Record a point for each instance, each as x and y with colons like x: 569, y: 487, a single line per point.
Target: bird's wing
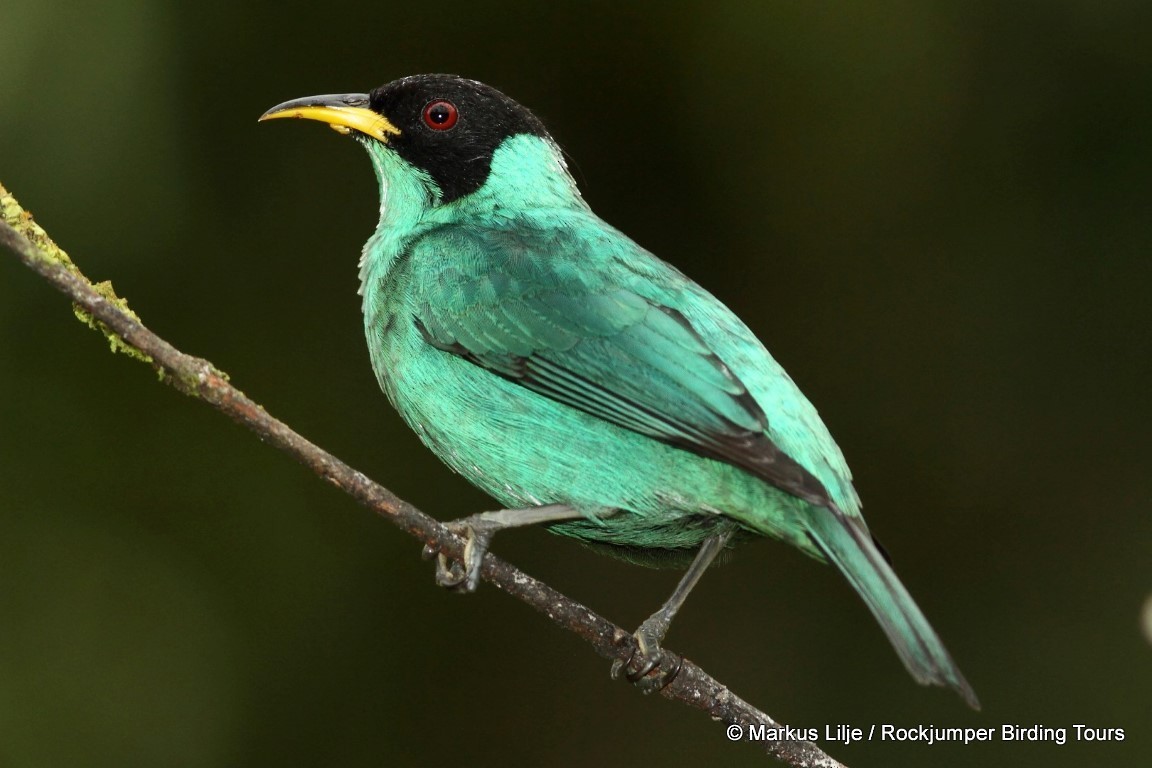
x: 520, y: 306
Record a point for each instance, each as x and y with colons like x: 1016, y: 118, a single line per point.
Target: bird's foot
x: 464, y: 576
x: 478, y: 531
x: 649, y: 657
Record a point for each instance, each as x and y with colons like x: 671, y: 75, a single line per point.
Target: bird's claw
x: 449, y: 573
x: 464, y: 576
x: 646, y: 657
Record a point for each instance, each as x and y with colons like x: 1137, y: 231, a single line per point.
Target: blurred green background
x: 936, y: 214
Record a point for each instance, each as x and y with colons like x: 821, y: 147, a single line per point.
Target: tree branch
x: 99, y: 307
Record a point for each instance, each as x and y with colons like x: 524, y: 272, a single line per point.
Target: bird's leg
x: 478, y: 531
x: 648, y: 654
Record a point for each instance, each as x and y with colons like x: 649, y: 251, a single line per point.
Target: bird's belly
x: 525, y: 449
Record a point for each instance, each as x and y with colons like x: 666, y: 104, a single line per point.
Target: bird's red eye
x: 440, y: 115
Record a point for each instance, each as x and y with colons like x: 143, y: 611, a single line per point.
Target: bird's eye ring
x: 440, y: 115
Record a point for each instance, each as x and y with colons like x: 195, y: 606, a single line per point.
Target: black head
x: 450, y: 126
x: 443, y: 124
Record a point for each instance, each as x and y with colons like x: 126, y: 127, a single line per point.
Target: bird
x: 587, y: 385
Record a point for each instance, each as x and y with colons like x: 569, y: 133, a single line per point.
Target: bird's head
x: 456, y: 136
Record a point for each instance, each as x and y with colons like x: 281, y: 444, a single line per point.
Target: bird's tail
x: 848, y: 544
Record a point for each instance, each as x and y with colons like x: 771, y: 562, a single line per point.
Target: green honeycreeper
x: 581, y: 381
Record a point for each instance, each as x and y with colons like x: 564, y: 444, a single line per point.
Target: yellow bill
x: 343, y: 112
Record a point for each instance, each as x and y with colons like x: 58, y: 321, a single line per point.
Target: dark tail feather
x: 847, y: 544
